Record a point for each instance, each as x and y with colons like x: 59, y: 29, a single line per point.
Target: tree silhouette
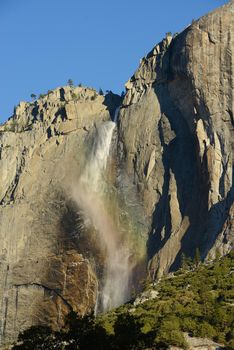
x: 70, y: 83
x: 128, y: 333
x: 33, y: 97
x: 197, y: 258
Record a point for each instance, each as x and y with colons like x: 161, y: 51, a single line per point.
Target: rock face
x: 174, y: 166
x: 176, y: 140
x: 43, y: 273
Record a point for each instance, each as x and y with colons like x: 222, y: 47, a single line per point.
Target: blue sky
x: 97, y: 43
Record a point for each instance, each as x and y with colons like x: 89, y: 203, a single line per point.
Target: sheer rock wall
x: 176, y: 140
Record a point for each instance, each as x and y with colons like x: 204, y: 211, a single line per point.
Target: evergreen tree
x: 217, y: 254
x: 183, y: 261
x: 168, y: 34
x: 186, y: 262
x: 33, y: 97
x: 128, y: 333
x: 70, y: 83
x: 197, y: 258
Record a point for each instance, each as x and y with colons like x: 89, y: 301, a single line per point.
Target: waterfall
x: 94, y: 170
x: 90, y: 197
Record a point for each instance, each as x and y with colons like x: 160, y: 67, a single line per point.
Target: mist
x: 99, y: 210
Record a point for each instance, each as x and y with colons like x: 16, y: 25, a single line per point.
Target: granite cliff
x: 171, y: 160
x: 176, y: 140
x: 42, y: 151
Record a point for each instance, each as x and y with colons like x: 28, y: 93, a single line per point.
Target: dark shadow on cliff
x: 180, y: 159
x: 73, y: 234
x: 112, y: 101
x: 175, y: 92
x: 216, y: 218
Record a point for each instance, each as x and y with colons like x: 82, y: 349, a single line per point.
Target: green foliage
x: 74, y: 96
x: 37, y: 337
x: 101, y: 92
x: 197, y: 258
x: 186, y: 262
x: 168, y: 34
x: 127, y: 330
x: 217, y: 254
x: 169, y: 333
x: 183, y: 262
x: 206, y: 330
x: 198, y: 302
x: 42, y: 95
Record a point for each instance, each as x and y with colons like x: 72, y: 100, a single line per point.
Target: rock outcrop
x: 44, y: 271
x: 176, y: 140
x: 174, y: 168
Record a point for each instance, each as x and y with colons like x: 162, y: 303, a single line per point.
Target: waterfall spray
x: 90, y: 196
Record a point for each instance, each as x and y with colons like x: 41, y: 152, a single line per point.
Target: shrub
x: 205, y: 330
x: 74, y: 96
x: 173, y: 337
x: 34, y: 338
x: 168, y: 34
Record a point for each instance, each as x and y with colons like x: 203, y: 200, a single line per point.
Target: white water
x: 93, y: 173
x: 116, y: 287
x: 90, y: 197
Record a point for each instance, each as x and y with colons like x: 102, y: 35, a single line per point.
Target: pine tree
x: 70, y: 83
x: 217, y: 254
x: 197, y: 258
x: 183, y: 262
x: 33, y: 97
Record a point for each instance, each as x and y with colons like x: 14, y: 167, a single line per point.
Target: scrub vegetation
x: 198, y: 300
